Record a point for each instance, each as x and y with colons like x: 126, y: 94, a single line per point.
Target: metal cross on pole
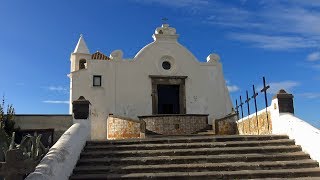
x: 237, y: 109
x: 247, y: 101
x: 264, y: 89
x: 241, y: 104
x: 164, y: 20
x: 255, y: 105
x: 248, y: 106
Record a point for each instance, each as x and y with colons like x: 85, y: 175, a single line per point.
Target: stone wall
x: 124, y: 128
x: 60, y: 123
x: 250, y: 125
x: 179, y: 124
x: 226, y: 125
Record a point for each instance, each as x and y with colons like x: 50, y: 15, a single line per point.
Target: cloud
x: 20, y: 84
x: 310, y: 95
x: 177, y: 3
x: 272, y: 24
x: 56, y: 102
x: 274, y: 42
x: 316, y: 66
x: 57, y: 88
x: 286, y: 85
x: 233, y: 88
x: 315, y: 56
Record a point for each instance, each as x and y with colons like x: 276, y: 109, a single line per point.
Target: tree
x: 7, y: 117
x: 6, y: 127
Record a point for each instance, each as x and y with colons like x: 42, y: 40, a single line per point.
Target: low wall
x: 60, y: 123
x: 124, y: 128
x: 226, y: 125
x: 62, y: 157
x: 253, y: 124
x: 175, y: 124
x: 303, y: 133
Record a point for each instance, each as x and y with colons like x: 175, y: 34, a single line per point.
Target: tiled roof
x: 98, y: 55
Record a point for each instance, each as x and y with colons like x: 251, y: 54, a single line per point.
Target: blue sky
x: 278, y: 39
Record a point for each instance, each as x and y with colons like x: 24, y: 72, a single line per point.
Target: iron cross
x: 241, y: 103
x: 237, y: 108
x: 164, y: 20
x: 264, y: 89
x: 248, y: 106
x: 255, y: 105
x: 247, y: 101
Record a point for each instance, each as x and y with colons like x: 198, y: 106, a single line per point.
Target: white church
x: 164, y: 77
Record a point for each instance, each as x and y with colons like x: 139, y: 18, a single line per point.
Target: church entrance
x: 168, y: 99
x: 168, y: 94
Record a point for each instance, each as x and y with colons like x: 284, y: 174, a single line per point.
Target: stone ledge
x: 166, y: 115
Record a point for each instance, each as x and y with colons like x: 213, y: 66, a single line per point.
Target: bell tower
x: 79, y: 58
x: 80, y: 55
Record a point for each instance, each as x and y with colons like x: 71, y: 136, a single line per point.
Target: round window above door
x: 166, y: 65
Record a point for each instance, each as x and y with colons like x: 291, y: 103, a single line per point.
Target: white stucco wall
x: 303, y: 133
x: 126, y: 86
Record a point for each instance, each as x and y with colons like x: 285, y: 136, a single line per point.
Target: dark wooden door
x: 168, y: 99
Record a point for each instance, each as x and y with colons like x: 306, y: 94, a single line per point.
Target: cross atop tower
x: 164, y: 20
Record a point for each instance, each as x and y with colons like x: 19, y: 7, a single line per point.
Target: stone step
x: 292, y: 178
x: 184, y: 139
x: 230, y: 166
x: 208, y: 132
x: 193, y: 159
x: 193, y: 151
x: 244, y: 174
x: 95, y: 147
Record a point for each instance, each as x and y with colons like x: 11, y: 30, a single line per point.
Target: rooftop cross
x: 164, y: 20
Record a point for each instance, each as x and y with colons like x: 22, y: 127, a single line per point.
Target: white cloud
x: 177, y: 3
x: 233, y: 88
x: 316, y: 66
x: 274, y: 42
x: 20, y: 84
x: 56, y: 102
x: 311, y: 95
x: 272, y: 24
x: 57, y: 88
x: 286, y: 85
x: 315, y: 56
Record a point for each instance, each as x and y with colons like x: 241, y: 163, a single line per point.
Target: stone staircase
x: 196, y: 157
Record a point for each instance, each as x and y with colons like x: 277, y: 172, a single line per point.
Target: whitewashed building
x: 163, y: 78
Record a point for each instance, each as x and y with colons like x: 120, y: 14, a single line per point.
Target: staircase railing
x: 258, y: 122
x: 62, y: 157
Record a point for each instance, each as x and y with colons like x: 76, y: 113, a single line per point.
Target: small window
x: 96, y: 80
x: 82, y: 64
x: 166, y: 65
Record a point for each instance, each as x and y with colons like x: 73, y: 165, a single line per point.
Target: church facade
x: 163, y: 78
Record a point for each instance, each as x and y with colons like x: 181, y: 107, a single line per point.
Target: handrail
x: 62, y: 157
